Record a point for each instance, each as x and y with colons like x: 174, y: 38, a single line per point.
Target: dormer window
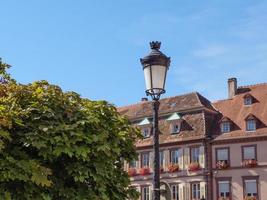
x: 145, y: 126
x: 251, y: 125
x: 248, y: 99
x: 175, y: 128
x: 146, y: 132
x: 225, y: 127
x: 175, y: 123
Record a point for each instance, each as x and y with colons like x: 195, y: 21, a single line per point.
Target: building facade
x: 215, y: 151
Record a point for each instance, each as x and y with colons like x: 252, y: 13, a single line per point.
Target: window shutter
x: 186, y: 157
x: 202, y: 189
x: 138, y: 163
x: 151, y: 158
x: 181, y: 191
x: 166, y: 158
x: 202, y: 157
x: 150, y: 192
x: 181, y: 159
x: 138, y: 189
x: 187, y: 191
x: 126, y: 166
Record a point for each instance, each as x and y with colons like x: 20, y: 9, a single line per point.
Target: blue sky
x: 93, y: 47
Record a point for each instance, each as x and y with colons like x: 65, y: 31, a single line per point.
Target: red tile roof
x: 236, y: 111
x: 191, y: 106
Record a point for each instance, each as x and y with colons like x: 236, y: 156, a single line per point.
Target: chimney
x: 144, y: 99
x: 232, y: 87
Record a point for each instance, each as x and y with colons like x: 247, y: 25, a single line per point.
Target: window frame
x: 248, y: 100
x: 228, y: 152
x: 135, y: 164
x: 172, y: 150
x: 256, y: 178
x: 247, y: 125
x: 142, y: 187
x: 190, y: 156
x: 222, y: 126
x: 198, y: 191
x: 221, y: 179
x: 175, y: 194
x: 142, y: 162
x: 243, y: 151
x: 148, y: 128
x: 172, y: 130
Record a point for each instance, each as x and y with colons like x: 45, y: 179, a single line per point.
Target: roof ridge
x: 131, y: 105
x: 252, y: 85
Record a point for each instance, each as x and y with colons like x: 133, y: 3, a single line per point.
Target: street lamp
x: 155, y: 66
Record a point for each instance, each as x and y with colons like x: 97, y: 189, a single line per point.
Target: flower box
x: 250, y: 198
x: 193, y: 166
x: 222, y: 164
x: 224, y: 198
x: 173, y: 168
x: 132, y: 172
x: 144, y: 171
x: 250, y: 163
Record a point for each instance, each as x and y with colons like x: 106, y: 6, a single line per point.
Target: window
x: 145, y: 193
x: 175, y: 128
x: 175, y: 155
x: 146, y: 132
x: 175, y: 192
x: 161, y: 158
x: 250, y: 187
x: 251, y: 125
x: 194, y: 154
x: 248, y: 100
x: 249, y: 152
x: 145, y: 160
x: 132, y: 164
x: 225, y: 127
x: 223, y: 189
x: 222, y: 154
x: 195, y: 191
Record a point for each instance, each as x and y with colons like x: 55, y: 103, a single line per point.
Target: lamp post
x: 155, y: 66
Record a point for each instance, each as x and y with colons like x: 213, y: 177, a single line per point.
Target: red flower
x: 132, y: 172
x: 250, y: 163
x: 222, y: 164
x: 193, y: 166
x: 173, y: 167
x: 144, y: 171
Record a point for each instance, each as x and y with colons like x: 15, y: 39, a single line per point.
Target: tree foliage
x: 57, y: 145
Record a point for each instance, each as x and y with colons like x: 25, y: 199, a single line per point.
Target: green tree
x: 57, y: 145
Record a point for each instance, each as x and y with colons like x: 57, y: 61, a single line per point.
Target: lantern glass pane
x: 147, y: 77
x: 158, y: 76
